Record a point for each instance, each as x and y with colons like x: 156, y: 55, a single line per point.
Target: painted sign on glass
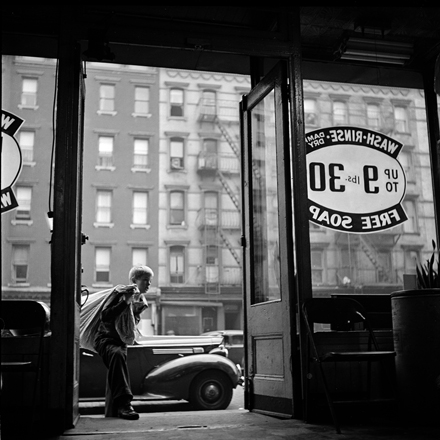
x: 11, y: 159
x: 355, y: 182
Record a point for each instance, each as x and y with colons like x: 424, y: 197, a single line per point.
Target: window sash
x: 141, y: 100
x: 102, y: 264
x: 140, y: 157
x: 103, y: 206
x: 177, y: 208
x: 339, y: 112
x: 177, y: 265
x: 20, y: 263
x: 107, y: 97
x: 105, y: 151
x: 139, y: 256
x: 24, y: 198
x: 140, y: 208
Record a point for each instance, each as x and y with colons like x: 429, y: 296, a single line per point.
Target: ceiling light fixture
x: 374, y: 50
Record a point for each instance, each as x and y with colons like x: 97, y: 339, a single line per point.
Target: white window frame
x: 177, y: 102
x: 177, y: 264
x: 23, y: 211
x: 140, y: 210
x: 107, y: 102
x: 106, y: 146
x: 103, y: 214
x: 102, y: 264
x: 141, y: 103
x: 27, y: 144
x: 20, y: 258
x: 141, y: 147
x: 29, y: 93
x: 177, y: 153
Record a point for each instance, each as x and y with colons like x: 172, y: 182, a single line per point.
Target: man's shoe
x: 127, y: 412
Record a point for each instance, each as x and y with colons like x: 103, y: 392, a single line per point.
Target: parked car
x: 234, y: 343
x: 192, y: 368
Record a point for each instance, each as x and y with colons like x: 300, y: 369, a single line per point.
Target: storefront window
x: 374, y: 260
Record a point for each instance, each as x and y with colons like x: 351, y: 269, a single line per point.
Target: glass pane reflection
x: 266, y: 269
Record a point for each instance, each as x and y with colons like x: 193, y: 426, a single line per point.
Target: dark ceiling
x: 156, y: 35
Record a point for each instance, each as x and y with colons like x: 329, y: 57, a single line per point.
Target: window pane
x: 176, y: 208
x: 102, y: 264
x: 177, y: 264
x: 266, y: 274
x: 310, y: 111
x: 105, y: 147
x: 103, y: 205
x: 141, y: 103
x: 20, y: 258
x: 140, y: 208
x: 139, y: 257
x: 140, y: 159
x: 372, y: 262
x: 339, y: 112
x: 373, y: 114
x: 26, y: 141
x: 29, y: 92
x: 107, y: 94
x: 24, y: 196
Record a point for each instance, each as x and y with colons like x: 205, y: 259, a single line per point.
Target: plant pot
x: 416, y: 334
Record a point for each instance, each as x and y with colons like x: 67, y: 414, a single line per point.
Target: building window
x: 177, y: 208
x: 29, y: 92
x: 177, y: 153
x: 209, y: 101
x: 400, y: 119
x: 24, y: 197
x: 27, y: 142
x: 317, y: 266
x: 406, y: 160
x: 340, y: 115
x: 176, y: 102
x: 141, y: 100
x: 140, y: 205
x: 139, y: 256
x: 410, y: 226
x: 102, y: 264
x: 105, y: 151
x: 177, y: 264
x: 373, y: 116
x: 20, y: 263
x: 412, y: 257
x: 104, y: 206
x: 310, y: 115
x: 107, y: 98
x: 140, y: 157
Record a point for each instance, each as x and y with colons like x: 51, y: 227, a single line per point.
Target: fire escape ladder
x: 230, y: 247
x: 228, y: 189
x: 371, y: 253
x: 228, y: 137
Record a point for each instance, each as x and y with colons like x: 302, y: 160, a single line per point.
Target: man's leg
x: 118, y: 393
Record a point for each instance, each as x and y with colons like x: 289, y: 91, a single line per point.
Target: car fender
x: 173, y: 379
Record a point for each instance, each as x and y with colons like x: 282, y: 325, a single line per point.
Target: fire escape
x: 218, y: 227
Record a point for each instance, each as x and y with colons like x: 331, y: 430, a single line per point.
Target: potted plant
x: 416, y: 335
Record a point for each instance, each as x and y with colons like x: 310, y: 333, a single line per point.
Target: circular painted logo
x: 355, y: 182
x: 11, y: 159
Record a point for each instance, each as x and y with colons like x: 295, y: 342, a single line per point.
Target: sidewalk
x: 231, y: 425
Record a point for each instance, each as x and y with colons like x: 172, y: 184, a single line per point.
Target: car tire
x: 211, y: 390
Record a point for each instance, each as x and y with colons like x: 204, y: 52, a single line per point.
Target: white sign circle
x: 11, y: 161
x: 355, y: 179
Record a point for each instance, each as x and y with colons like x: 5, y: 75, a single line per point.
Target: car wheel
x: 211, y: 390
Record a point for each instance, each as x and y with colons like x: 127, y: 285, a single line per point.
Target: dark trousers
x: 118, y: 390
